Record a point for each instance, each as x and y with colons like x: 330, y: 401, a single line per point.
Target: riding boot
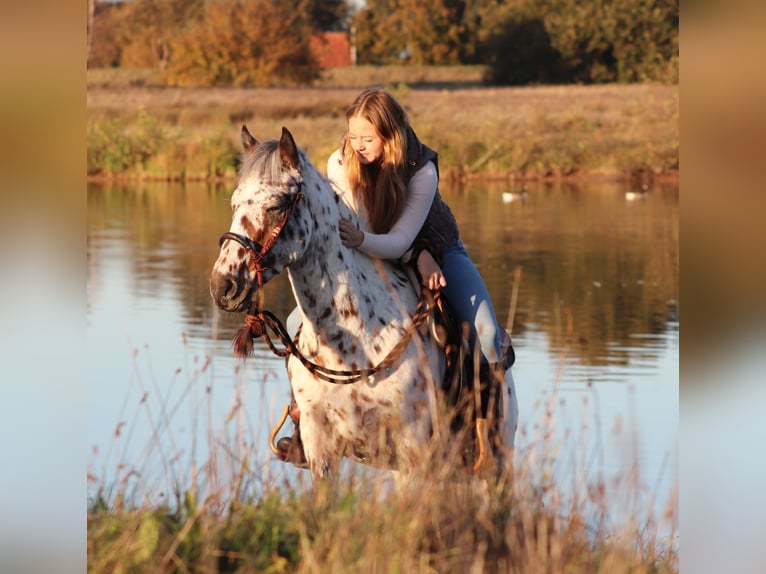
x: 509, y: 355
x: 291, y: 449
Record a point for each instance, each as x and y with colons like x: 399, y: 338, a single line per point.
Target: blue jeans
x: 469, y: 298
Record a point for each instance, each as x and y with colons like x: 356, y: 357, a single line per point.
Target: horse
x: 365, y: 374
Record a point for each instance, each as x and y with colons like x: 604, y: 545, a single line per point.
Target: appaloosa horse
x: 364, y: 378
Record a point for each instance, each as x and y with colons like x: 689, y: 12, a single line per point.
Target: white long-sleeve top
x: 395, y: 244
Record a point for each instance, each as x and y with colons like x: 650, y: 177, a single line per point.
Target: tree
x: 244, y: 43
x: 108, y: 34
x: 564, y: 41
x: 329, y: 15
x: 411, y: 31
x: 91, y: 19
x: 138, y: 33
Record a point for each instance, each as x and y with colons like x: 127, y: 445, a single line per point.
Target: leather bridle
x: 258, y: 251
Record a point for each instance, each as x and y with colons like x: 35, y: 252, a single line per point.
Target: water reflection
x: 596, y: 269
x: 595, y: 323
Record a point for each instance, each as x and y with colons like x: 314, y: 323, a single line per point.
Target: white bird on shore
x: 509, y: 196
x: 639, y: 194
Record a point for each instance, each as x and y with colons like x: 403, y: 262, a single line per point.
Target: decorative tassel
x: 252, y: 329
x: 243, y: 340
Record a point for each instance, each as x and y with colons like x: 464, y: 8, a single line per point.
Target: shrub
x: 114, y: 145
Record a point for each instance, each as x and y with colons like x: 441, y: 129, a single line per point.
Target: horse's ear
x: 248, y: 140
x: 287, y: 149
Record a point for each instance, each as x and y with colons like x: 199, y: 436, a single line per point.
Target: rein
x: 259, y: 323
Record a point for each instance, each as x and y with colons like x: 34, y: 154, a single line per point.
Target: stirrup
x: 288, y: 449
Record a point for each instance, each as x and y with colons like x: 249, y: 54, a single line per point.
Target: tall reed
x: 225, y: 505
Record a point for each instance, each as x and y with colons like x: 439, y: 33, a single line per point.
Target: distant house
x: 332, y: 49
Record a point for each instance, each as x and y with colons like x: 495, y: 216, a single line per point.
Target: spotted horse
x: 366, y: 374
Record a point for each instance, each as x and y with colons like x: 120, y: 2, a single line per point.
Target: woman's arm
x: 394, y: 244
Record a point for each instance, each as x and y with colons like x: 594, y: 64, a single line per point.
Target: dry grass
x: 506, y: 133
x: 439, y: 523
x: 233, y: 512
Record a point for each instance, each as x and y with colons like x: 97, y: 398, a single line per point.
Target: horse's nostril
x: 222, y: 288
x: 232, y: 290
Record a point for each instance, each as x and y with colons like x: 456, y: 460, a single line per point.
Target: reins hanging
x: 263, y: 322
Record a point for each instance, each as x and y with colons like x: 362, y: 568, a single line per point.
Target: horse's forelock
x: 262, y: 161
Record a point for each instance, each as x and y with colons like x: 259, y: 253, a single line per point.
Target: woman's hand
x: 350, y: 236
x: 430, y: 272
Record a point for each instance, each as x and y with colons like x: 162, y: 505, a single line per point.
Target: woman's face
x: 364, y: 140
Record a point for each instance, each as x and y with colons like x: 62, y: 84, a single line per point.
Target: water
x: 595, y: 327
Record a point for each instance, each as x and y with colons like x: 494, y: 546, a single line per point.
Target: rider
x: 391, y: 179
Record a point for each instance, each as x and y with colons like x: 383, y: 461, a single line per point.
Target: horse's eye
x: 279, y: 204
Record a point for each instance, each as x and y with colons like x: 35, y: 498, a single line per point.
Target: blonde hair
x: 381, y: 186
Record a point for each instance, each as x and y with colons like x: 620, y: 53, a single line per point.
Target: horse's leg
x: 497, y: 420
x: 321, y: 447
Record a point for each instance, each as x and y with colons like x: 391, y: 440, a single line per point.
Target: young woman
x: 391, y: 179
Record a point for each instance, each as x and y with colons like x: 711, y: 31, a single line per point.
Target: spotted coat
x: 354, y: 310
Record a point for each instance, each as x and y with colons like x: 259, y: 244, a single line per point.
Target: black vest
x: 439, y: 231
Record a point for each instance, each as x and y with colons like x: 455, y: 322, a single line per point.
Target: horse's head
x: 269, y: 229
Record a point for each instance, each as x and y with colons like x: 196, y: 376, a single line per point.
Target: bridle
x: 258, y: 251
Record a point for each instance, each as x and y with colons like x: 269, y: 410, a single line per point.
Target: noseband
x: 258, y: 251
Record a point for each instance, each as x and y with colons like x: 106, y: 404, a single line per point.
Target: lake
x: 595, y: 328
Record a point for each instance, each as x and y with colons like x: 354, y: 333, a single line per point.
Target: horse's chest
x: 358, y: 410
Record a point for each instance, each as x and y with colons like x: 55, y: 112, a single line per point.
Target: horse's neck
x: 326, y: 282
x: 344, y: 302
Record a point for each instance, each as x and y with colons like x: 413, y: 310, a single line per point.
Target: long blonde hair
x: 381, y: 186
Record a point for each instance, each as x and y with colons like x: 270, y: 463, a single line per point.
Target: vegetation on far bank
x: 259, y: 43
x: 140, y: 129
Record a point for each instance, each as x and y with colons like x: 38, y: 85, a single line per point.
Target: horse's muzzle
x: 228, y: 293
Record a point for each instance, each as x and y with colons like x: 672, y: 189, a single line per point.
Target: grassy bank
x: 140, y: 129
x: 235, y: 510
x: 249, y: 523
x: 357, y: 529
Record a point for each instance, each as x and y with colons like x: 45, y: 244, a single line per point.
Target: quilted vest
x: 440, y: 230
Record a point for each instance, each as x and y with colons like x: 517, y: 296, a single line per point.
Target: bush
x: 114, y: 145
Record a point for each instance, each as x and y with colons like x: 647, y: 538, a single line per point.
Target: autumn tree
x: 411, y: 31
x: 564, y: 41
x: 108, y: 35
x: 151, y: 25
x: 329, y: 15
x: 244, y: 43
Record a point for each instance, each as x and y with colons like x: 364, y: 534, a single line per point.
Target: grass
x: 235, y: 512
x: 608, y: 131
